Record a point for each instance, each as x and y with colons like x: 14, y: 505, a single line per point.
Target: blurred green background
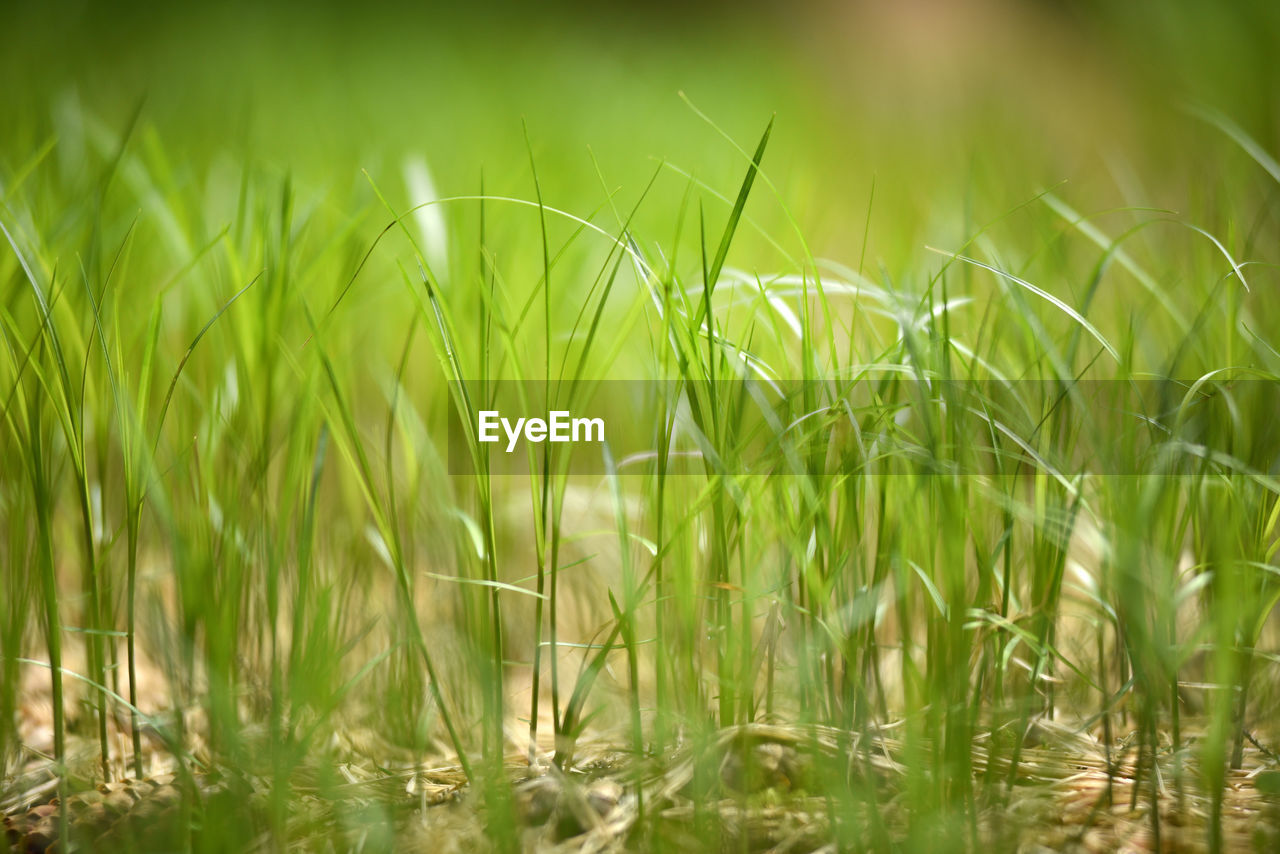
x: 953, y: 109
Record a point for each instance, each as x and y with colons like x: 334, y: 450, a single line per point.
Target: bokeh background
x: 953, y: 110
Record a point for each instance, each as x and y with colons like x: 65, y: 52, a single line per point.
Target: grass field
x: 937, y: 352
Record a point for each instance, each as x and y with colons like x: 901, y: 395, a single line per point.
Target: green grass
x: 927, y: 472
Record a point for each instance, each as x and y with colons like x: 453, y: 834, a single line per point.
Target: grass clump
x: 970, y: 548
